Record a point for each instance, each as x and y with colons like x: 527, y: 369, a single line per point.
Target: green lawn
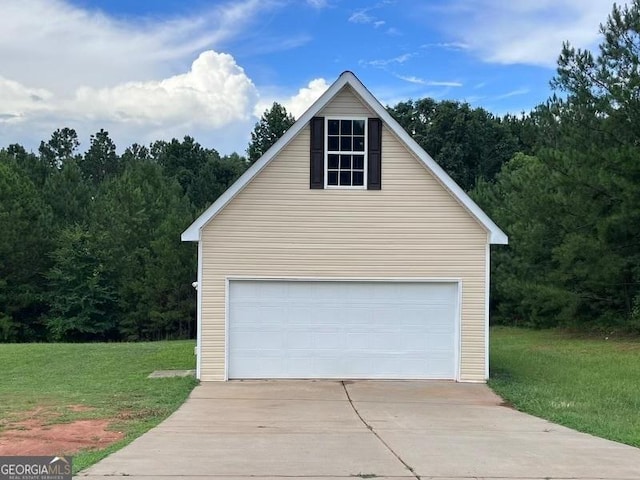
x: 109, y: 379
x: 591, y: 385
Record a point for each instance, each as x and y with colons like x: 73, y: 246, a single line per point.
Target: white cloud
x: 63, y: 65
x: 430, y: 83
x: 412, y: 79
x: 471, y: 99
x: 318, y: 3
x: 513, y: 93
x: 435, y: 83
x: 383, y: 62
x: 361, y: 16
x: 364, y: 16
x: 17, y: 101
x: 213, y: 93
x: 298, y: 103
x: 305, y: 97
x: 524, y: 31
x: 447, y: 45
x: 53, y: 43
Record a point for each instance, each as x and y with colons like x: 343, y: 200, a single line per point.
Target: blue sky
x: 147, y: 70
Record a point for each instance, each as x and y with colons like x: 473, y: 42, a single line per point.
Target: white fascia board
x: 496, y: 236
x: 192, y: 234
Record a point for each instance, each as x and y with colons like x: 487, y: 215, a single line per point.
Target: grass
x: 108, y: 378
x: 591, y: 385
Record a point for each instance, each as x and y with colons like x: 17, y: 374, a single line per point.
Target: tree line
x: 90, y: 242
x: 571, y: 203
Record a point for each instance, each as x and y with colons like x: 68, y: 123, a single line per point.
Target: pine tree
x: 272, y: 125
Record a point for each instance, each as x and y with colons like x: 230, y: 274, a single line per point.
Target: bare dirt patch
x: 38, y: 434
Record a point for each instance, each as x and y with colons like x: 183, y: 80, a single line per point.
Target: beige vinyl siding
x: 346, y: 103
x: 278, y: 227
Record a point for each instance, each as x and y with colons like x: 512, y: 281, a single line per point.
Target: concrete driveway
x: 332, y: 429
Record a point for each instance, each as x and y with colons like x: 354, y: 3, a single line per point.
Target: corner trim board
x: 199, y: 314
x: 487, y: 289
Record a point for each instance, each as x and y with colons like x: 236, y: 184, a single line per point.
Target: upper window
x: 346, y: 152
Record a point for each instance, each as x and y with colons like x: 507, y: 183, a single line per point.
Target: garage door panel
x: 304, y: 329
x: 438, y: 342
x: 440, y: 330
x: 260, y: 314
x: 262, y: 340
x: 299, y: 340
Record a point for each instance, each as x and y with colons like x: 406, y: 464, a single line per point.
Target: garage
x: 342, y: 329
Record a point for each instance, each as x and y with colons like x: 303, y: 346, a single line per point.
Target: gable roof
x: 497, y: 236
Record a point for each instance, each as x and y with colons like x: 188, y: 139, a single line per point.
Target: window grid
x: 346, y: 151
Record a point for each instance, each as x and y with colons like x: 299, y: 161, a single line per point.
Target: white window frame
x: 326, y: 153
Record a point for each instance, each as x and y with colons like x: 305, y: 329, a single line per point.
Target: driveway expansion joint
x: 371, y: 429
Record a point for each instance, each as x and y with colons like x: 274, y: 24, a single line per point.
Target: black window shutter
x: 316, y: 178
x: 374, y: 150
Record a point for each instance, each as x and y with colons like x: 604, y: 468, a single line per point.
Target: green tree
x: 523, y: 199
x: 61, y: 147
x: 29, y: 163
x: 274, y: 122
x: 597, y: 126
x: 201, y: 173
x: 214, y: 177
x: 101, y: 160
x: 583, y: 203
x: 135, y: 153
x: 184, y: 161
x: 140, y: 216
x: 90, y: 243
x: 69, y: 195
x: 25, y: 230
x: 468, y: 143
x: 82, y: 294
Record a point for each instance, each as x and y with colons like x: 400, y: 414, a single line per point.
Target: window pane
x: 343, y: 168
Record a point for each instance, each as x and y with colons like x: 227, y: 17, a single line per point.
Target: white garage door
x: 330, y: 329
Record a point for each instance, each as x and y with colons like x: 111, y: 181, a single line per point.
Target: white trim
x: 199, y: 315
x: 496, y: 236
x: 346, y: 279
x: 226, y: 329
x: 458, y: 314
x: 487, y: 287
x: 352, y: 153
x: 458, y: 327
x: 191, y: 233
